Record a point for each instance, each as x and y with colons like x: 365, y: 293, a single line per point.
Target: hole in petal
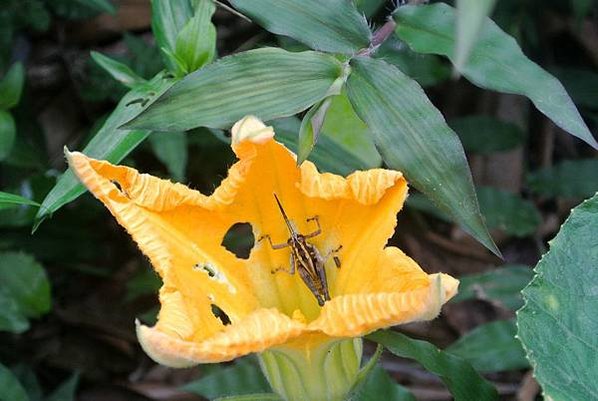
x: 220, y: 314
x: 119, y: 187
x: 239, y: 240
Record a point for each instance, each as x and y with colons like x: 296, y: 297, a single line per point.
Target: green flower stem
x: 325, y: 373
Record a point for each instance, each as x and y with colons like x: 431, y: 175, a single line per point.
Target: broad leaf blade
x: 501, y: 287
x: 11, y: 86
x: 119, y: 71
x: 568, y: 179
x: 244, y: 377
x: 8, y: 133
x: 491, y: 347
x: 311, y: 126
x: 413, y: 137
x: 269, y: 83
x: 558, y: 324
x: 332, y: 26
x: 471, y: 15
x: 380, y: 386
x: 496, y: 62
x: 10, y: 388
x: 464, y: 383
x: 110, y: 143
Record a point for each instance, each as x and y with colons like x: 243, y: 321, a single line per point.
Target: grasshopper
x: 305, y: 257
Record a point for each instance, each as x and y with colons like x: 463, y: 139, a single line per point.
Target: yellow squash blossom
x: 307, y: 351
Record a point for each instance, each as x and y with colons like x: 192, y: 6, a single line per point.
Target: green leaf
x: 347, y: 130
x: 369, y: 7
x: 11, y: 86
x: 485, y: 134
x: 508, y: 212
x: 491, y: 347
x: 119, y: 71
x: 413, y: 137
x: 558, y: 324
x: 243, y: 377
x: 426, y: 69
x: 24, y: 290
x: 66, y: 391
x: 168, y: 19
x: 171, y: 149
x: 269, y: 83
x: 568, y: 179
x: 464, y: 383
x: 496, y: 62
x: 196, y: 43
x: 8, y: 133
x: 110, y: 143
x: 9, y: 200
x: 252, y: 397
x: 471, y: 15
x: 331, y: 26
x: 311, y: 125
x: 10, y: 388
x: 581, y: 8
x: 500, y: 286
x: 380, y: 386
x: 328, y: 155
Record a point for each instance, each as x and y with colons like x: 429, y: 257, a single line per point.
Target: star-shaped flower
x: 181, y: 231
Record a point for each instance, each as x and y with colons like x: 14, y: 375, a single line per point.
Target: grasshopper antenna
x: 284, y: 216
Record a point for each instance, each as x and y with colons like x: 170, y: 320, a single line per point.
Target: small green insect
x: 306, y: 258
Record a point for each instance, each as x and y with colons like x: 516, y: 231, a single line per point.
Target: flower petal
x: 359, y: 314
x: 258, y: 331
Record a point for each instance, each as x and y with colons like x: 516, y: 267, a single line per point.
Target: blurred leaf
x: 380, y: 386
x: 332, y: 26
x: 485, y: 134
x: 496, y: 62
x: 269, y: 83
x: 8, y: 200
x: 145, y: 57
x: 471, y: 15
x: 99, y: 5
x: 491, y: 347
x: 568, y: 179
x: 11, y: 86
x: 10, y: 388
x: 346, y: 129
x: 419, y: 202
x: 196, y: 43
x: 252, y: 397
x: 581, y: 8
x: 426, y: 69
x: 119, y: 71
x: 7, y: 134
x: 464, y: 383
x: 558, y: 324
x: 413, y: 137
x: 23, y: 281
x: 500, y: 286
x: 311, y: 125
x: 29, y: 191
x: 581, y: 84
x: 28, y: 380
x: 171, y: 149
x: 80, y: 9
x: 168, y: 19
x: 110, y: 143
x: 327, y: 155
x: 66, y: 391
x: 243, y: 377
x: 508, y: 212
